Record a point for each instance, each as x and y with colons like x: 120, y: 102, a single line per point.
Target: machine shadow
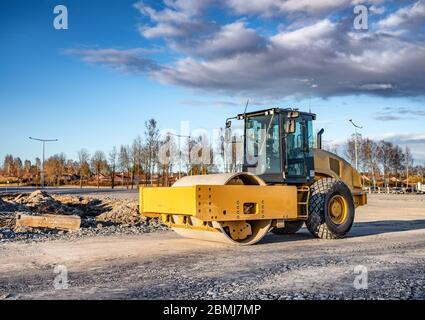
x: 360, y: 229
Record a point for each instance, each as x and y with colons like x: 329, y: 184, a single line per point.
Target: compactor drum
x: 294, y: 184
x: 234, y: 232
x: 236, y: 208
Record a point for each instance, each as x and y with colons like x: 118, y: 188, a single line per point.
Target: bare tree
x: 369, y: 152
x: 145, y: 163
x: 83, y: 165
x: 27, y: 166
x: 152, y: 146
x: 113, y: 155
x: 409, y: 163
x: 221, y: 148
x: 202, y: 161
x: 38, y: 169
x: 99, y: 165
x: 137, y: 159
x: 55, y: 168
x: 397, y: 160
x: 18, y: 165
x: 385, y: 153
x: 8, y: 165
x: 350, y: 149
x: 166, y: 158
x: 124, y: 162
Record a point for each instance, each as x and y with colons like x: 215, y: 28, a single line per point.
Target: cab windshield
x: 265, y: 145
x: 262, y: 143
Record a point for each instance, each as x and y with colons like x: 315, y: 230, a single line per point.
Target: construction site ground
x: 386, y: 244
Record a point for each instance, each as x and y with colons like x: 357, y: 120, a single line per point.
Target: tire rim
x: 338, y: 209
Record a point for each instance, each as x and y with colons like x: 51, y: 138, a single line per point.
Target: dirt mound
x: 33, y: 198
x: 11, y: 207
x: 122, y: 212
x: 101, y: 215
x: 3, y: 205
x: 40, y: 202
x: 7, y: 220
x: 8, y: 211
x: 86, y: 206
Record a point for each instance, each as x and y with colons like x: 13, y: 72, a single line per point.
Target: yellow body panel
x: 327, y: 164
x: 222, y: 202
x: 154, y: 200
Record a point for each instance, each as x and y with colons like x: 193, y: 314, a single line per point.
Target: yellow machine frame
x: 222, y: 202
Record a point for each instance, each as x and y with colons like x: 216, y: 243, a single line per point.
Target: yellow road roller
x: 285, y: 182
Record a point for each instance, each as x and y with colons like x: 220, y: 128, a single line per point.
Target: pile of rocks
x: 122, y: 212
x: 40, y: 202
x: 103, y: 216
x: 12, y: 206
x: 8, y: 211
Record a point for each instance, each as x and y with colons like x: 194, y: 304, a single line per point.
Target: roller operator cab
x: 285, y: 183
x: 278, y: 145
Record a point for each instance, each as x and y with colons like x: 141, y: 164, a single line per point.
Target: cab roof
x: 272, y: 111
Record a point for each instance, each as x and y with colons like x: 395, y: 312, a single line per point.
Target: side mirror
x: 290, y: 126
x: 293, y: 114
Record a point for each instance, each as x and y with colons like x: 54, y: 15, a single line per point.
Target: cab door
x: 299, y: 162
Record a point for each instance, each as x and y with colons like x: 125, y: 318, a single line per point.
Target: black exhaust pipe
x: 319, y: 139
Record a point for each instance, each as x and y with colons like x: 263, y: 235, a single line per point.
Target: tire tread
x: 316, y: 222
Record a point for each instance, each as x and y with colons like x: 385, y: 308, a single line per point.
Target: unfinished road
x: 387, y: 241
x: 118, y: 192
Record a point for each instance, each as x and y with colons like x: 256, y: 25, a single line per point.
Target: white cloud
x: 129, y: 61
x: 399, y: 113
x: 307, y: 36
x: 319, y: 60
x: 273, y: 7
x: 178, y: 19
x: 376, y: 86
x: 405, y: 17
x: 377, y: 9
x: 230, y: 39
x: 405, y: 138
x: 279, y: 7
x: 322, y: 56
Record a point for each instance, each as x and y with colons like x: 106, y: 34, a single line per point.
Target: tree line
x: 128, y: 165
x: 383, y: 162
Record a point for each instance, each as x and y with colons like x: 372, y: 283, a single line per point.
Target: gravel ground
x: 388, y: 239
x: 97, y: 230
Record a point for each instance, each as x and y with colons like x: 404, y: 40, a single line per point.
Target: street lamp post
x: 356, y: 142
x: 407, y: 168
x: 44, y: 150
x: 180, y: 152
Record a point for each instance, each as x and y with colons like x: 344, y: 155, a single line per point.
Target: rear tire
x: 331, y: 209
x: 291, y: 227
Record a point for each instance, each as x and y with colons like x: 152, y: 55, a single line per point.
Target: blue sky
x: 93, y: 86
